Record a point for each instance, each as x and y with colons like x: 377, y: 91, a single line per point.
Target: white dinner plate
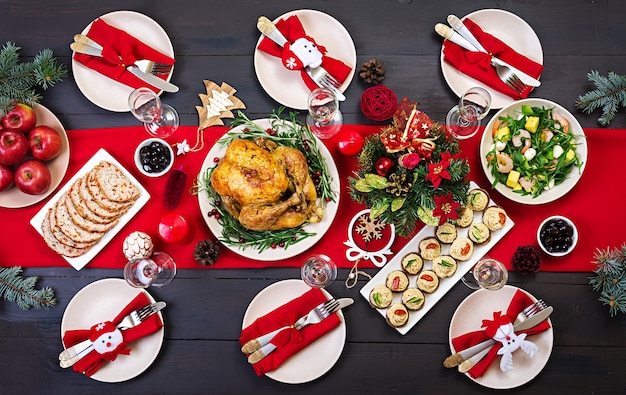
x: 13, y: 197
x: 468, y: 317
x: 80, y: 261
x: 320, y: 228
x: 287, y: 87
x: 101, y: 301
x: 559, y: 190
x: 445, y: 284
x: 105, y: 92
x: 316, y: 359
x: 510, y: 29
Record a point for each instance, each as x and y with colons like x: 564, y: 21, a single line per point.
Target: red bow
x: 519, y: 302
x: 292, y: 29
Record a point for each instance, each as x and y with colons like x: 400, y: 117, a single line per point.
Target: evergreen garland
x: 18, y: 80
x: 610, y: 278
x: 609, y: 95
x: 21, y: 290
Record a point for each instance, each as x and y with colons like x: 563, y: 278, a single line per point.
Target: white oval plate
x: 13, y: 197
x: 101, y: 301
x: 468, y: 317
x: 559, y: 190
x: 287, y: 87
x: 105, y: 92
x: 509, y: 28
x: 269, y: 254
x: 311, y: 362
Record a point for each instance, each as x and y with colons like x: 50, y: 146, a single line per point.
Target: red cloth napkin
x: 292, y: 29
x: 289, y: 341
x: 477, y: 64
x: 90, y: 363
x: 519, y: 302
x: 120, y: 50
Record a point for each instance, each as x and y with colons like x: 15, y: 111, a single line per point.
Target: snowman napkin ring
x: 501, y: 330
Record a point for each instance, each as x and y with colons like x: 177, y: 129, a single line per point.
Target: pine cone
x: 372, y: 71
x: 206, y: 252
x: 526, y: 259
x: 398, y: 185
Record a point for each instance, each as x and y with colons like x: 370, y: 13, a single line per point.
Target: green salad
x: 533, y: 152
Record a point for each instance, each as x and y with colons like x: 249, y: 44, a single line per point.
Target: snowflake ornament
x: 369, y: 229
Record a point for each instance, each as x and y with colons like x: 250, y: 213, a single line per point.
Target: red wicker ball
x: 379, y: 103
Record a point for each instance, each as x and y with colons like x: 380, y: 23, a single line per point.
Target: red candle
x: 173, y: 228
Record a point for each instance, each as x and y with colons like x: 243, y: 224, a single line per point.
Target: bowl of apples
x: 34, y: 155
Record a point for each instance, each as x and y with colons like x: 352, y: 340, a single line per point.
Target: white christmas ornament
x: 137, y: 245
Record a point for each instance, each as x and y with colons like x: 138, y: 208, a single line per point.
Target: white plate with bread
x: 79, y: 239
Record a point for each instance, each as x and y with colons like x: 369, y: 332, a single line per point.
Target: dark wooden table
x: 215, y: 40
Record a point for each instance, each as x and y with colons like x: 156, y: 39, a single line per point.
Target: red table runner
x: 595, y: 205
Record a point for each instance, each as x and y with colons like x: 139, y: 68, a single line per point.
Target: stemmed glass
x: 159, y: 119
x: 157, y: 270
x: 324, y: 118
x: 318, y: 271
x: 488, y: 274
x: 463, y: 119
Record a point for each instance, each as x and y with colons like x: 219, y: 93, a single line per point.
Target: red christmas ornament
x: 349, y: 142
x: 379, y: 103
x: 173, y: 228
x: 384, y: 166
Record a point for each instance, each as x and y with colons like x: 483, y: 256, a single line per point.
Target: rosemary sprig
x: 288, y: 132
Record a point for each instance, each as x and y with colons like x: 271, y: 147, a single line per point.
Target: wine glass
x: 318, y: 271
x: 324, y: 118
x: 157, y: 270
x: 159, y: 119
x: 488, y: 274
x: 463, y: 119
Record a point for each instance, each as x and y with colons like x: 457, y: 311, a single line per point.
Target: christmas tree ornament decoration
x: 349, y: 142
x: 173, y: 227
x: 137, y: 245
x: 218, y: 102
x: 378, y: 103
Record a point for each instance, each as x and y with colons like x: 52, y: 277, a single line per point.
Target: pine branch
x: 18, y: 81
x: 21, y: 290
x: 610, y: 278
x: 609, y: 95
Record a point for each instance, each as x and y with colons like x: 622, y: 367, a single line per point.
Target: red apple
x: 21, y: 117
x: 44, y: 143
x: 6, y: 177
x: 13, y: 146
x: 32, y: 177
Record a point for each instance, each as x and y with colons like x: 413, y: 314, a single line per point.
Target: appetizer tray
x: 445, y: 284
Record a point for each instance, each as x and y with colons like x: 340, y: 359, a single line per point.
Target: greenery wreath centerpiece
x: 412, y: 170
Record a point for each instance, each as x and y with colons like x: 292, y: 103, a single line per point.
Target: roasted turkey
x: 266, y: 186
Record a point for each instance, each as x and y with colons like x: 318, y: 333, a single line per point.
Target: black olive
x: 155, y: 157
x: 556, y: 235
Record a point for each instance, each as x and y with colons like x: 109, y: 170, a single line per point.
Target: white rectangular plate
x: 81, y: 261
x: 445, y: 284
